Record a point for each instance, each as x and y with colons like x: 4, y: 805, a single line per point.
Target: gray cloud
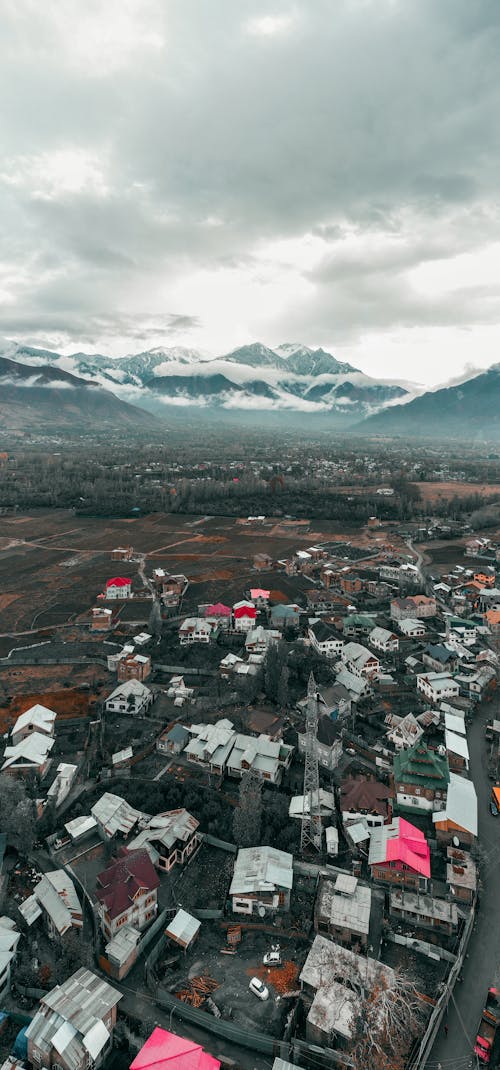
x: 173, y: 140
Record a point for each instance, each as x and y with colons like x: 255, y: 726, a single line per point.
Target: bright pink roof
x: 218, y: 610
x: 409, y: 846
x: 259, y: 592
x: 167, y: 1051
x: 118, y: 581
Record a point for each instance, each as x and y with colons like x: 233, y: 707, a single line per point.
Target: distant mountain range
x: 44, y: 398
x: 468, y: 410
x: 290, y: 378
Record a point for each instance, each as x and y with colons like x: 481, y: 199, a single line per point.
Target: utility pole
x: 311, y: 830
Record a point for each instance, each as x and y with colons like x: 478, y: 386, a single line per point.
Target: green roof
x: 419, y: 765
x: 361, y: 619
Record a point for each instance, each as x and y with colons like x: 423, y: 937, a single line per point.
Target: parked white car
x: 272, y: 958
x: 258, y: 988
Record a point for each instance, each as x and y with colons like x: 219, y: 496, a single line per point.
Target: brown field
x: 432, y: 492
x: 67, y: 702
x: 53, y: 564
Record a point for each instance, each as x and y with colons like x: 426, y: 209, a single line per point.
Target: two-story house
x: 328, y: 742
x: 244, y: 616
x: 325, y: 639
x: 127, y: 892
x: 421, y: 778
x: 360, y: 661
x: 118, y: 587
x: 262, y: 881
x: 384, y: 640
x: 73, y: 1027
x: 170, y: 838
x: 37, y: 719
x: 399, y: 854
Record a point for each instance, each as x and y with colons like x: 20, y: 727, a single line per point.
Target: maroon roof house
x: 127, y: 892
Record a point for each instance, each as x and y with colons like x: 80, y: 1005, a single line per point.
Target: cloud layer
x: 212, y: 174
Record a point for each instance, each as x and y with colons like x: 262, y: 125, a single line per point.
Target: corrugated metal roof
x: 183, y: 928
x: 261, y: 869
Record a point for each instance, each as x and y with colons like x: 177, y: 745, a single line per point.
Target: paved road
x: 455, y: 1050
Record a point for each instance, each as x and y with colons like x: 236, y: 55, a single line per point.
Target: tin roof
x: 183, y: 928
x: 261, y: 869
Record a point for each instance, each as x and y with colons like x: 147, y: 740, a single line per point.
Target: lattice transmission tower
x: 310, y: 835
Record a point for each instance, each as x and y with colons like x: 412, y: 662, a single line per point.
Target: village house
x: 262, y: 562
x: 173, y: 740
x: 244, y: 616
x: 326, y: 986
x: 325, y: 639
x: 196, y: 630
x: 423, y: 911
x: 266, y: 757
x: 285, y: 615
x: 211, y: 744
x: 458, y: 817
x: 439, y: 657
x: 333, y: 700
x: 73, y: 1027
x: 328, y: 742
x: 342, y: 910
x: 357, y: 624
x: 132, y: 697
x: 127, y: 892
x: 403, y: 731
x: 164, y: 1050
x: 258, y: 639
x: 122, y: 553
x: 9, y: 939
x: 37, y: 719
x: 366, y: 799
x: 411, y: 629
x: 461, y: 875
x: 134, y: 667
x: 218, y: 614
x: 421, y: 778
x: 260, y: 597
x: 360, y: 661
x: 30, y: 755
x: 437, y: 687
x: 262, y: 881
x: 118, y: 587
x: 415, y: 607
x: 350, y: 583
x: 121, y: 952
x: 170, y: 838
x: 114, y: 816
x: 399, y: 854
x: 356, y: 686
x: 382, y: 639
x: 58, y: 901
x: 101, y: 619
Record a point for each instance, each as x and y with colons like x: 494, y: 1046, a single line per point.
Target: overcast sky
x: 214, y: 172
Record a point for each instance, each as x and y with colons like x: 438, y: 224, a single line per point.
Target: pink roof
x: 218, y: 610
x: 118, y: 581
x: 167, y: 1051
x: 259, y: 592
x: 409, y: 846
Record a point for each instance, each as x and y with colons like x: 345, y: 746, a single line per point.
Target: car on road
x: 258, y: 988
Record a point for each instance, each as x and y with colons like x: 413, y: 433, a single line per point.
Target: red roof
x: 119, y: 883
x: 167, y: 1051
x: 218, y: 610
x: 403, y: 843
x: 244, y: 609
x: 118, y: 581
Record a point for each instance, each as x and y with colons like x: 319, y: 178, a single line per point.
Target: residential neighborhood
x: 254, y: 793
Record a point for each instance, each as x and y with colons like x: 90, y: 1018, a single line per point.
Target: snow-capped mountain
x: 291, y: 377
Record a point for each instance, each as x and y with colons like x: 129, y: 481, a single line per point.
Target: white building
x: 324, y: 639
x: 384, y: 640
x: 37, y: 719
x: 412, y: 629
x: 360, y: 661
x: 132, y: 697
x: 30, y: 755
x: 195, y: 630
x: 211, y: 744
x: 266, y: 757
x: 436, y: 686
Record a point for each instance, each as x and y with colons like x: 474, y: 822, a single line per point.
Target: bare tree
x: 247, y: 818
